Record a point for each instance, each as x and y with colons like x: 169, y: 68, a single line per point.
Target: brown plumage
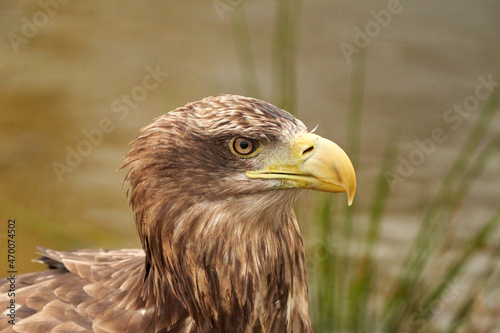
x: 222, y: 249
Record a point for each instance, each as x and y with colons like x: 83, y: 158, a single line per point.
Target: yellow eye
x: 244, y: 147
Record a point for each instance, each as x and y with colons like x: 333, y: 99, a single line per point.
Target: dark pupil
x: 244, y: 144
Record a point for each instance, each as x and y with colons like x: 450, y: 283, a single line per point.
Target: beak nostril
x: 308, y: 150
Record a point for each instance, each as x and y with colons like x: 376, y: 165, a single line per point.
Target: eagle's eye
x: 244, y: 147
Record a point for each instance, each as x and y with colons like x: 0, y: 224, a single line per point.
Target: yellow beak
x: 314, y: 163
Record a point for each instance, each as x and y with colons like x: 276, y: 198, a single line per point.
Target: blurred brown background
x: 65, y: 66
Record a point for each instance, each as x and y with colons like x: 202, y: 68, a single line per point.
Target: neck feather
x: 234, y: 268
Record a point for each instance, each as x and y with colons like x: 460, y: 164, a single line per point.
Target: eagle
x: 212, y: 186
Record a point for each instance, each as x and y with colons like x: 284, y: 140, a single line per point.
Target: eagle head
x: 226, y: 146
x: 212, y: 185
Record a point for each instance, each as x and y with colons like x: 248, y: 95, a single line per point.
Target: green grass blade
x: 465, y: 311
x: 356, y: 104
x: 434, y: 221
x: 472, y: 247
x: 244, y: 52
x: 474, y: 139
x: 285, y: 40
x: 380, y: 195
x: 362, y: 287
x: 343, y: 264
x: 462, y: 314
x: 475, y: 170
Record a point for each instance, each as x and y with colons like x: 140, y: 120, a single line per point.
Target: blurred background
x: 408, y: 88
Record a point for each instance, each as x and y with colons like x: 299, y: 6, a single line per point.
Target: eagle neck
x: 232, y: 267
